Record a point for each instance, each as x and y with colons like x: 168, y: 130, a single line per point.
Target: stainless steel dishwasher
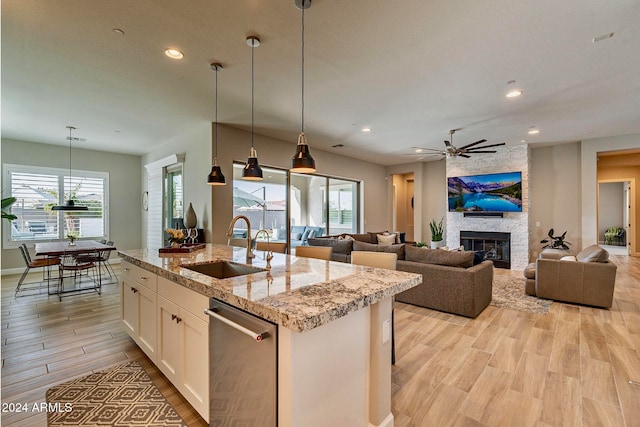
x: 243, y: 367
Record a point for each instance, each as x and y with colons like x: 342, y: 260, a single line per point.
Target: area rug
x: 121, y: 396
x: 508, y: 292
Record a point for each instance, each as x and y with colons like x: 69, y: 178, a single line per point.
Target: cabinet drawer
x: 191, y: 301
x: 140, y: 275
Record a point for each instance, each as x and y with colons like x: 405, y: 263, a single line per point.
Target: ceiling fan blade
x: 473, y: 143
x: 464, y: 155
x: 447, y: 143
x: 487, y: 146
x: 426, y: 149
x: 476, y: 152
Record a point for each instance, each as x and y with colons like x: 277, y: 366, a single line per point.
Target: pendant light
x: 215, y: 176
x: 252, y: 170
x: 70, y: 204
x: 302, y: 162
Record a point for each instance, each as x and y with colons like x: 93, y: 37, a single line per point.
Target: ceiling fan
x: 452, y: 151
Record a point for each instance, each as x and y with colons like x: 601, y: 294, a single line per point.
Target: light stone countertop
x: 298, y: 293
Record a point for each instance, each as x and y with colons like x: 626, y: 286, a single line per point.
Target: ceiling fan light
x: 302, y: 162
x: 252, y: 170
x: 514, y: 93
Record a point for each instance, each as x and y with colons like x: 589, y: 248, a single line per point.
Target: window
x: 174, y: 205
x: 38, y: 189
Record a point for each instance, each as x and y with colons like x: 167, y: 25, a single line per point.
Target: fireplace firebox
x: 496, y: 246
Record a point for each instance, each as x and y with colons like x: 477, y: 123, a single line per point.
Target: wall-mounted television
x: 495, y: 192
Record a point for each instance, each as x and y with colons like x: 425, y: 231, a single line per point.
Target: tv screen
x: 496, y: 192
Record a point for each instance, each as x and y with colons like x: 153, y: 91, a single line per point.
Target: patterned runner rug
x: 508, y: 292
x: 121, y: 396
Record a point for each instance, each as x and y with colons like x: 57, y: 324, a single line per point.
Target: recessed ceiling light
x: 523, y: 140
x: 174, y: 53
x: 366, y: 129
x: 514, y: 93
x: 118, y: 31
x: 533, y: 131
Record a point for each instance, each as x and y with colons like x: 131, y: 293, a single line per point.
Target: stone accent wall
x: 510, y: 158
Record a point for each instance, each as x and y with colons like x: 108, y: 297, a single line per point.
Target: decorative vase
x: 175, y: 245
x: 190, y: 219
x: 72, y: 242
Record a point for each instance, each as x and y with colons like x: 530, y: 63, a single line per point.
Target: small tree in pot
x: 437, y: 230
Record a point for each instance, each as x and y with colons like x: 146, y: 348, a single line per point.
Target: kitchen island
x: 333, y: 327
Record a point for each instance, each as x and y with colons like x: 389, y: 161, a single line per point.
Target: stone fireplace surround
x: 509, y: 158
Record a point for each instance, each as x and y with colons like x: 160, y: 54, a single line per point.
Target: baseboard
x: 12, y: 271
x: 387, y: 422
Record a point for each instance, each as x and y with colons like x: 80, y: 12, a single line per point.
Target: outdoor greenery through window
x: 38, y: 190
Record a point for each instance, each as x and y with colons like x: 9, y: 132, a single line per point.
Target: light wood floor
x: 573, y: 366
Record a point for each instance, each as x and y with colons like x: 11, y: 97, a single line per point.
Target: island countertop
x: 297, y: 293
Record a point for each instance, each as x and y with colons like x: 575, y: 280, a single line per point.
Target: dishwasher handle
x: 258, y: 337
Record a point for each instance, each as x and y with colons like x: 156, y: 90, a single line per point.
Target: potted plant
x: 555, y: 242
x: 72, y: 236
x: 6, y: 204
x: 176, y: 237
x: 437, y: 230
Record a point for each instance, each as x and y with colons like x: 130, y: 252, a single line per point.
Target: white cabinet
x: 183, y: 342
x: 138, y: 295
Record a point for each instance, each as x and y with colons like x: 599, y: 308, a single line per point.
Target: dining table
x: 77, y: 249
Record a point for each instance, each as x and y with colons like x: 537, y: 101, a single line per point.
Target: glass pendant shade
x: 302, y: 162
x: 252, y: 170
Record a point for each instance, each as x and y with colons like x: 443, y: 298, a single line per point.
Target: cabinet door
x: 129, y: 298
x: 169, y: 356
x: 195, y: 366
x: 147, y: 335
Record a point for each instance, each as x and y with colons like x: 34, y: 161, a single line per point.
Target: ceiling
x: 409, y: 70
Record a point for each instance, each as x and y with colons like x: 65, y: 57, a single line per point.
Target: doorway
x: 403, y: 205
x: 614, y: 205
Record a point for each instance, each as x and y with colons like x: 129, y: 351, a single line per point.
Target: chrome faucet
x: 269, y: 253
x: 235, y: 219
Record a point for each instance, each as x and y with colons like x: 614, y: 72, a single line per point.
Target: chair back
x: 25, y: 254
x: 319, y: 252
x: 375, y: 259
x: 279, y: 247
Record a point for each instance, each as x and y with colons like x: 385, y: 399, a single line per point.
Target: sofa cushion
x: 363, y: 237
x: 363, y: 246
x: 463, y: 259
x: 593, y: 253
x: 386, y: 239
x: 342, y: 246
x: 530, y: 271
x: 298, y: 229
x: 295, y: 236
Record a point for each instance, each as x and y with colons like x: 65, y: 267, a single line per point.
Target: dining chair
x: 44, y: 263
x: 319, y: 252
x: 279, y: 247
x: 76, y: 266
x: 101, y: 258
x: 379, y: 260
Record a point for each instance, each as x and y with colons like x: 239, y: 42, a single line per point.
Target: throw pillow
x: 568, y: 258
x: 593, y: 253
x: 478, y: 257
x: 312, y: 233
x: 305, y: 234
x: 296, y: 236
x: 386, y: 240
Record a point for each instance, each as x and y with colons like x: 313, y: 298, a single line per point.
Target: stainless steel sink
x: 223, y: 269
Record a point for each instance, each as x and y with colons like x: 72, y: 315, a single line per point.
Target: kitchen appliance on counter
x: 243, y: 368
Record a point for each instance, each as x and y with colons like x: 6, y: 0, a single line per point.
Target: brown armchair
x: 588, y: 278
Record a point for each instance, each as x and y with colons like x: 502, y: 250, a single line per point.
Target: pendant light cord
x: 70, y: 128
x: 302, y: 79
x: 216, y: 157
x: 252, y: 96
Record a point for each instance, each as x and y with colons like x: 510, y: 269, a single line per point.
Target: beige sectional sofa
x: 588, y: 278
x: 450, y: 280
